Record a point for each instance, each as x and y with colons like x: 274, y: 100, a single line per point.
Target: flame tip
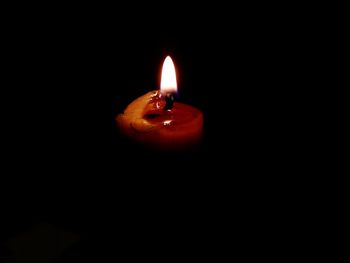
x: 168, y: 58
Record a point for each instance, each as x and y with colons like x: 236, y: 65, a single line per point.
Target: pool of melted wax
x: 179, y: 114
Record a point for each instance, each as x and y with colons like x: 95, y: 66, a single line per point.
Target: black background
x: 74, y: 71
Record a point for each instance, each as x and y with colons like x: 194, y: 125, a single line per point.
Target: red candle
x: 156, y: 121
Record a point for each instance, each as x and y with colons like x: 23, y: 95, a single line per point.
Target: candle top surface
x: 178, y: 115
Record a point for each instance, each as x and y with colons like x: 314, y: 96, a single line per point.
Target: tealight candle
x: 158, y: 121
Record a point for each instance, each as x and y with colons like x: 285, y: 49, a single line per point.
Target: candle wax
x: 145, y: 120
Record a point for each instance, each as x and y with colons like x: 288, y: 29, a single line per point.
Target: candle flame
x: 168, y: 81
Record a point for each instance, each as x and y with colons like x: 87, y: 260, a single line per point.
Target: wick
x: 169, y: 101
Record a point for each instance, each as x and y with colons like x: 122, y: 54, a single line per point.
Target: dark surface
x: 80, y: 175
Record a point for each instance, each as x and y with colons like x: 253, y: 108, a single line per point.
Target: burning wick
x: 169, y: 101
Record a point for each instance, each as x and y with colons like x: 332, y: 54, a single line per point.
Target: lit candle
x: 157, y: 121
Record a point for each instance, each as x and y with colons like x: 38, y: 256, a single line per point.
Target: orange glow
x: 168, y: 81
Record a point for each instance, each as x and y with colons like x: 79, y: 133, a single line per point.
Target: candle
x: 158, y: 121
